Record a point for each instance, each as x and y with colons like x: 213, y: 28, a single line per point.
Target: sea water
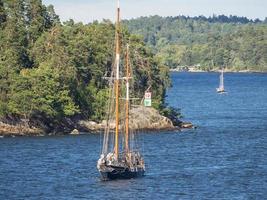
x: 224, y: 158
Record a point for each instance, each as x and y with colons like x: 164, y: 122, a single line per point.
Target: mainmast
x: 117, y: 64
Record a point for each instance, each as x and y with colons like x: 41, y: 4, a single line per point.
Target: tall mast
x: 117, y: 64
x: 127, y: 102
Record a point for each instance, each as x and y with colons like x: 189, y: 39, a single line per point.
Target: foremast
x: 117, y: 80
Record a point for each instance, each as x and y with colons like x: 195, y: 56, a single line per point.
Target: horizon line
x: 166, y: 16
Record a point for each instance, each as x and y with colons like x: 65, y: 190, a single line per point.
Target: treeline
x: 221, y: 19
x: 54, y: 70
x: 236, y: 43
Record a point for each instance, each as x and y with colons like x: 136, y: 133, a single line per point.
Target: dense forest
x: 235, y: 43
x: 54, y: 70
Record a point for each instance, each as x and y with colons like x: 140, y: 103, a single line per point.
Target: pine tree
x: 39, y: 19
x: 35, y: 19
x: 13, y: 45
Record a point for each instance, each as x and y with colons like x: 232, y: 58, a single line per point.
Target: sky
x: 89, y: 10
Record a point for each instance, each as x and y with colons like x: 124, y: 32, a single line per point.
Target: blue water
x: 224, y: 158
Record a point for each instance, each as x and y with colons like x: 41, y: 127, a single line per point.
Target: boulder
x: 148, y: 118
x: 75, y: 132
x: 19, y: 129
x: 141, y: 118
x: 187, y: 125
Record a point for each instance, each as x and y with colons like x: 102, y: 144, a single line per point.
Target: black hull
x: 221, y: 92
x: 121, y: 173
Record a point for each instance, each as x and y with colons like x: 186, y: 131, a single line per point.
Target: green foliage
x: 20, y: 97
x: 148, y: 72
x: 40, y: 91
x: 21, y: 24
x: 39, y: 18
x: 2, y: 13
x: 174, y: 114
x: 55, y: 71
x: 209, y: 43
x: 98, y: 102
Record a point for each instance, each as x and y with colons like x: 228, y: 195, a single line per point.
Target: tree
x: 51, y: 18
x: 12, y: 45
x: 55, y: 71
x: 2, y: 13
x: 212, y: 42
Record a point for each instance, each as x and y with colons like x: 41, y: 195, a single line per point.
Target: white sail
x: 221, y: 81
x: 221, y: 85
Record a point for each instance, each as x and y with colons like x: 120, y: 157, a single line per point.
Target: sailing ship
x: 120, y: 156
x: 221, y: 89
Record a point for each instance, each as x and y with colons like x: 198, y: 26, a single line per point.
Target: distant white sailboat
x: 221, y: 89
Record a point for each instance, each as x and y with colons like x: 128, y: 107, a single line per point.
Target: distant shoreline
x: 212, y: 71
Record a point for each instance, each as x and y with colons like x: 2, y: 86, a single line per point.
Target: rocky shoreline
x: 141, y: 118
